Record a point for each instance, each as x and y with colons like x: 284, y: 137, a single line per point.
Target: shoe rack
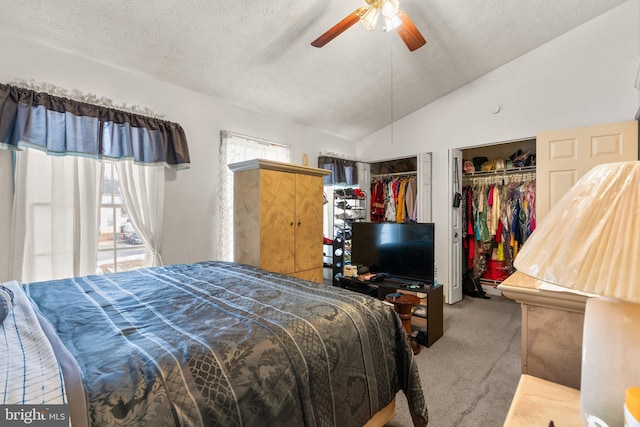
x: 349, y: 205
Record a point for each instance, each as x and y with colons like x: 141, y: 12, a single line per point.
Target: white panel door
x: 424, y: 187
x: 364, y: 182
x: 454, y: 285
x: 563, y: 156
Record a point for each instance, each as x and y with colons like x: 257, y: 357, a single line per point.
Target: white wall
x: 584, y: 77
x: 191, y: 200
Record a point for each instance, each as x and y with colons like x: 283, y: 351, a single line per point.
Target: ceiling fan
x: 394, y: 17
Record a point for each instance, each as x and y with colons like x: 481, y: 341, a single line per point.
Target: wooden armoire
x: 277, y: 215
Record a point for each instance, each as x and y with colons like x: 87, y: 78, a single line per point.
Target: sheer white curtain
x: 55, y: 218
x: 237, y: 148
x: 142, y: 188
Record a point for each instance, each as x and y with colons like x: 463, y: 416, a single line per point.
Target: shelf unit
x: 347, y: 208
x: 428, y: 316
x: 427, y: 319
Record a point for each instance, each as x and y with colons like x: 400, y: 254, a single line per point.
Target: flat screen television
x: 404, y: 250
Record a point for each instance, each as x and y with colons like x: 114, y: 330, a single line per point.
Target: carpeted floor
x: 469, y: 375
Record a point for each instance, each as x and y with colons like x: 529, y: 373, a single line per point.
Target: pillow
x: 6, y: 302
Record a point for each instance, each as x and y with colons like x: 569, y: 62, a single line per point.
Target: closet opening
x: 349, y: 202
x: 394, y: 190
x: 497, y: 212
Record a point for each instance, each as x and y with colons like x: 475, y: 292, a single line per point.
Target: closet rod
x: 490, y: 179
x: 390, y: 175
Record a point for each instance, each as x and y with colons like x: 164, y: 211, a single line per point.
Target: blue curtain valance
x: 61, y: 126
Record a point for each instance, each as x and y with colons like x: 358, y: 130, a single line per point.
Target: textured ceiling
x: 257, y: 53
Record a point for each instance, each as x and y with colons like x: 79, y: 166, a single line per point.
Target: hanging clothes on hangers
x: 411, y: 194
x: 498, y: 217
x: 377, y: 201
x: 391, y: 199
x: 394, y: 198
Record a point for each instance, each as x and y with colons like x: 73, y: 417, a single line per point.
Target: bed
x: 214, y: 344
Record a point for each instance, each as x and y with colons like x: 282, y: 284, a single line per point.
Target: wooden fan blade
x: 338, y: 29
x: 409, y: 33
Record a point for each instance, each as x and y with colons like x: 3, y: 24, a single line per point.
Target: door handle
x: 455, y: 234
x: 299, y: 222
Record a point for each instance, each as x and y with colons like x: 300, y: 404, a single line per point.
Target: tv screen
x: 400, y: 249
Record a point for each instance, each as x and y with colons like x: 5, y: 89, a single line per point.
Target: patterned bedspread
x: 217, y: 343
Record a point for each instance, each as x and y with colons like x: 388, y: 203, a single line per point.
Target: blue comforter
x: 225, y: 344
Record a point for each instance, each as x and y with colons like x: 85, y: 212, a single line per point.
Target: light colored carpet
x: 469, y: 376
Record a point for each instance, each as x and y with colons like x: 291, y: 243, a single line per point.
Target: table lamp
x: 590, y: 242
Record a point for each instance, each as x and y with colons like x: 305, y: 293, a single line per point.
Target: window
x: 119, y: 246
x: 55, y: 216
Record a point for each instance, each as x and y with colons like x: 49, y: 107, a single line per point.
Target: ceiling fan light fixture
x: 370, y: 18
x: 390, y: 8
x: 395, y: 19
x: 392, y: 23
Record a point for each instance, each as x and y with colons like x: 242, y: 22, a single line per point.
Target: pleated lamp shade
x: 590, y: 240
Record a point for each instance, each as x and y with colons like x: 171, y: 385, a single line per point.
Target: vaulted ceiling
x: 257, y: 53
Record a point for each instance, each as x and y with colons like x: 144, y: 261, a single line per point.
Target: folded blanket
x: 29, y: 371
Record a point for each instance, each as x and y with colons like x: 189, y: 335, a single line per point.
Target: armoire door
x: 563, y: 156
x: 308, y: 222
x: 277, y: 221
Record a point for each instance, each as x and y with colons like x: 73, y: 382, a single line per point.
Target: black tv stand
x: 428, y: 316
x: 406, y: 283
